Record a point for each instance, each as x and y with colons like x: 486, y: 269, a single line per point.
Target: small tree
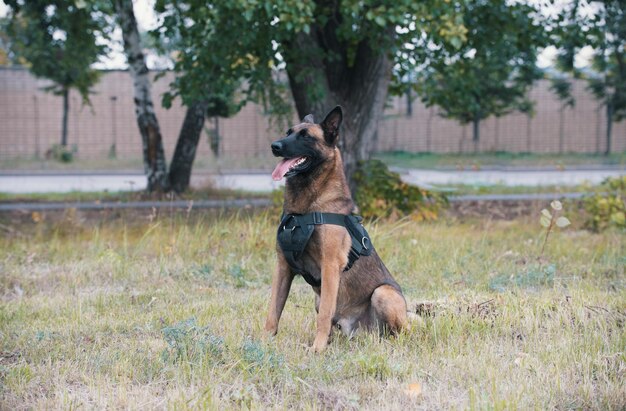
x: 492, y: 72
x: 601, y: 25
x: 58, y: 40
x: 609, y: 63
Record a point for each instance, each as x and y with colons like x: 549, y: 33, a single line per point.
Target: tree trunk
x: 476, y: 132
x: 66, y: 109
x: 561, y: 129
x: 153, y: 154
x: 185, y: 153
x: 360, y: 87
x: 609, y: 128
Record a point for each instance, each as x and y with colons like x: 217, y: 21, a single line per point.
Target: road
x: 20, y: 182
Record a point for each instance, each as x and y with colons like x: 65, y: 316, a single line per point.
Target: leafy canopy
x: 239, y: 47
x: 602, y: 27
x: 490, y: 73
x: 59, y: 39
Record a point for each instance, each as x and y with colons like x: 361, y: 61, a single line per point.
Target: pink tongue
x: 282, y: 168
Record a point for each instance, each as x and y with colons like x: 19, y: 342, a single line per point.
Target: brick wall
x: 31, y: 123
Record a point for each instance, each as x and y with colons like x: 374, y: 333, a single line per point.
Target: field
x: 145, y: 311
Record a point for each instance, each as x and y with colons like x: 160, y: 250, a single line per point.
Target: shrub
x: 62, y: 153
x: 606, y: 207
x: 381, y: 193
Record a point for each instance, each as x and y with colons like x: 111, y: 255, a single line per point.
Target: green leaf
x: 545, y: 221
x: 562, y: 222
x: 556, y: 205
x: 546, y: 213
x: 456, y: 42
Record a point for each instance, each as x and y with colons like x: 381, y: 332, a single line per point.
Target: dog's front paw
x: 319, y: 345
x: 271, y: 329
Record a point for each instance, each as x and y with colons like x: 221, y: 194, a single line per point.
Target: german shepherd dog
x: 363, y: 297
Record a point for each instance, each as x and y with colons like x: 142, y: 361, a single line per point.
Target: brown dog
x: 363, y: 296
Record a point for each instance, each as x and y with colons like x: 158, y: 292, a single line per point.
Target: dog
x: 351, y: 294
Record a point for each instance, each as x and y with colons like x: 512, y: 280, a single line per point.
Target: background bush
x: 381, y: 193
x: 606, y: 207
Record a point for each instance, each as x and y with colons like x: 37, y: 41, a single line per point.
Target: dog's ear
x: 308, y: 119
x: 331, y: 125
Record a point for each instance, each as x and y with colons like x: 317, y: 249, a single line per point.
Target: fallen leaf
x: 414, y: 390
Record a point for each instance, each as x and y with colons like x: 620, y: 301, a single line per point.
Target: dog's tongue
x: 282, y: 168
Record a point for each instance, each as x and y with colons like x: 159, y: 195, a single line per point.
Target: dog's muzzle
x: 277, y: 148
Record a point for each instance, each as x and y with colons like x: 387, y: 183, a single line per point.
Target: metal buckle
x: 363, y: 241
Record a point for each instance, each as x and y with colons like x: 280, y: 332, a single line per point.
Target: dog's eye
x: 302, y: 133
x: 289, y: 132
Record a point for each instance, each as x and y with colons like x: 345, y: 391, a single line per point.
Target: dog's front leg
x: 327, y: 305
x: 281, y: 284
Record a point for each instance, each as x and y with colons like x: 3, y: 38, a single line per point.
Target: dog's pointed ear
x: 331, y: 125
x: 308, y: 119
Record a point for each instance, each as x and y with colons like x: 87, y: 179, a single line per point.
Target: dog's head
x: 307, y: 145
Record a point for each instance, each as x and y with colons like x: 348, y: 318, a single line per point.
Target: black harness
x: 295, y: 230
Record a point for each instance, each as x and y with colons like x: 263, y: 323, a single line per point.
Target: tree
x: 332, y: 53
x: 492, y: 72
x: 58, y: 40
x: 602, y: 26
x: 185, y: 152
x: 153, y: 154
x: 200, y: 104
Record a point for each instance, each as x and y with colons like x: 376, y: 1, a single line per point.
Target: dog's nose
x: 277, y: 147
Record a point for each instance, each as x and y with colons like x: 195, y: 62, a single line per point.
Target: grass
x: 158, y: 311
x: 397, y: 159
x: 474, y: 189
x: 127, y: 196
x: 477, y: 161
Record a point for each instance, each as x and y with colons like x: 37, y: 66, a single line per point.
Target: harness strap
x: 295, y: 230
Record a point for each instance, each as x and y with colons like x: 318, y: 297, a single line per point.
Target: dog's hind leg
x: 389, y: 309
x: 281, y: 284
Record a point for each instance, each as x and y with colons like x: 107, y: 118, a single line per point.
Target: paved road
x: 19, y: 183
x: 262, y: 182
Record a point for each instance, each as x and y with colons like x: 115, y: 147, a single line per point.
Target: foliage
x: 382, y: 193
x: 534, y: 276
x: 60, y: 40
x: 490, y: 73
x: 600, y: 27
x: 187, y: 342
x: 62, y: 153
x: 607, y: 207
x: 239, y: 48
x: 549, y: 220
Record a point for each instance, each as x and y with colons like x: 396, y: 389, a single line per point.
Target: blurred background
x: 466, y: 90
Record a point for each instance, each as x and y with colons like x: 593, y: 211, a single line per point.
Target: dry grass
x: 149, y: 312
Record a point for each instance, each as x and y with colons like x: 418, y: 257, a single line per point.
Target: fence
x: 31, y: 124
